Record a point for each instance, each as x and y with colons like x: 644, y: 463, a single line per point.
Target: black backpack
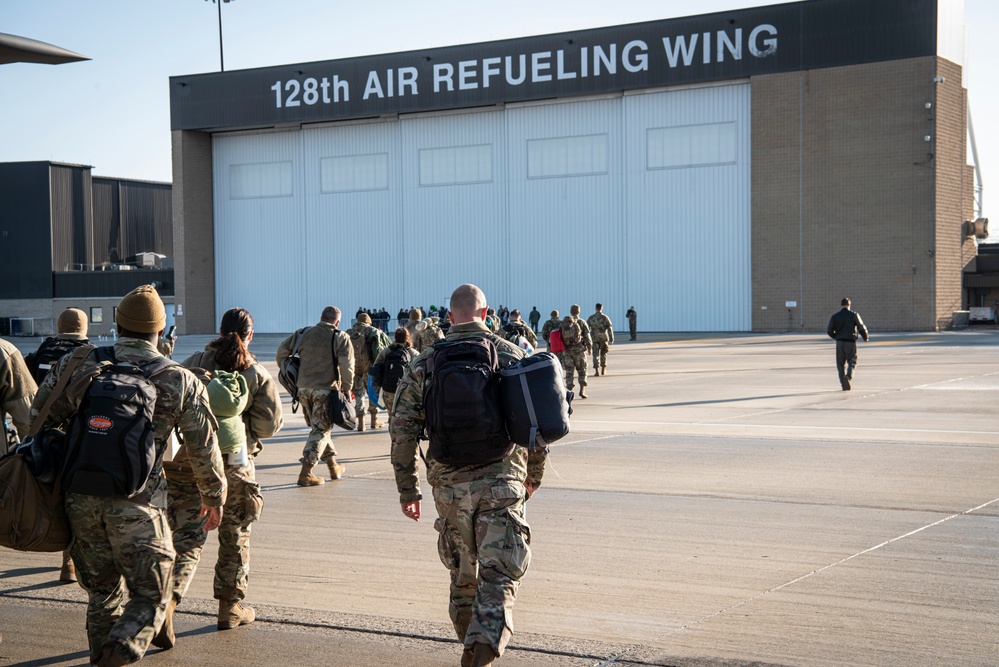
x: 48, y: 354
x: 111, y: 436
x: 289, y: 368
x: 393, y: 367
x: 461, y: 401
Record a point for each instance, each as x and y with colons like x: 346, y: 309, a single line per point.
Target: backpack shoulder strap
x: 158, y: 365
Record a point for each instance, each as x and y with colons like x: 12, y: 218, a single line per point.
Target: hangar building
x: 736, y: 171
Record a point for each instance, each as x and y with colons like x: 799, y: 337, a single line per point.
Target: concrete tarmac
x: 719, y: 502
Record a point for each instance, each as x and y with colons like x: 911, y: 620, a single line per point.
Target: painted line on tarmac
x: 624, y: 654
x: 860, y: 429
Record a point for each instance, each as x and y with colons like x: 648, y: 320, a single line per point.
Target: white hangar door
x: 259, y: 226
x: 687, y: 210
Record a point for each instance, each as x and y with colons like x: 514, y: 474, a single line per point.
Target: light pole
x: 221, y: 55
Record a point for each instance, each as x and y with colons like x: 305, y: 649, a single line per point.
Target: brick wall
x: 193, y: 233
x: 843, y: 197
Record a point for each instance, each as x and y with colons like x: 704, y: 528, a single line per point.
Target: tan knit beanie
x: 72, y: 321
x: 415, y: 315
x: 574, y: 310
x: 364, y: 318
x: 141, y: 311
x: 554, y: 313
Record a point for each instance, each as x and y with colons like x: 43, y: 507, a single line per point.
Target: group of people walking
x: 223, y: 403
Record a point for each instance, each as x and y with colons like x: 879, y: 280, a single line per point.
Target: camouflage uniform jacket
x: 427, y: 333
x: 550, y: 326
x: 263, y: 415
x: 17, y: 388
x: 408, y: 421
x: 601, y: 328
x: 317, y: 347
x: 362, y: 351
x: 586, y: 342
x: 181, y: 402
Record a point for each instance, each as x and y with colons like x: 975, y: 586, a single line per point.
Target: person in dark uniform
x: 844, y: 328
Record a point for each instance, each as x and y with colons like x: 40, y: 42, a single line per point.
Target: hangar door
x: 638, y: 200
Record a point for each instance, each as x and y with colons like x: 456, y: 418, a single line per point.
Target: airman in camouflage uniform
x: 323, y: 349
x: 574, y: 359
x: 546, y: 331
x: 427, y: 333
x: 632, y: 323
x: 602, y: 332
x: 484, y: 539
x: 359, y: 334
x: 415, y: 317
x: 262, y: 418
x: 120, y: 542
x: 17, y: 388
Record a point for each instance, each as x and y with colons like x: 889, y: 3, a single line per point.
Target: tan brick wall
x: 193, y: 232
x: 843, y: 197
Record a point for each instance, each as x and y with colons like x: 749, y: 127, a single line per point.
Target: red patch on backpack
x: 100, y: 423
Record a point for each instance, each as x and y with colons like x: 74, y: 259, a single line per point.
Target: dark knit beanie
x: 72, y: 321
x: 141, y: 311
x: 364, y: 318
x: 574, y: 310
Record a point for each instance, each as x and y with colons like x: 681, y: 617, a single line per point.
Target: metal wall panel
x: 146, y: 218
x: 260, y: 243
x: 107, y: 222
x: 353, y: 241
x: 71, y: 215
x: 113, y: 284
x: 25, y: 231
x: 567, y: 233
x: 454, y: 234
x: 688, y: 229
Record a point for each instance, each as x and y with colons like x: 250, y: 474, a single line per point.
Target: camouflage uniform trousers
x: 119, y: 543
x: 388, y: 398
x: 360, y: 390
x: 316, y: 410
x: 242, y: 507
x: 600, y: 349
x: 574, y: 361
x: 633, y: 328
x: 485, y: 543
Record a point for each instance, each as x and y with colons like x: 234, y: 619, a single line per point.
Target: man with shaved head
x: 484, y: 537
x: 327, y: 366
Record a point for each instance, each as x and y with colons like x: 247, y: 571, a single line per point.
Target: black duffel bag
x: 342, y: 411
x: 535, y: 401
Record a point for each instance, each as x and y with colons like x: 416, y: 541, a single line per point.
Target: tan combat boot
x: 232, y: 614
x: 483, y: 655
x: 68, y: 572
x: 166, y: 638
x: 582, y: 392
x: 306, y: 478
x: 375, y: 423
x: 336, y: 469
x: 360, y: 423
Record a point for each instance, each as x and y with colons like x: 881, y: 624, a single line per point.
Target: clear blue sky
x: 113, y: 112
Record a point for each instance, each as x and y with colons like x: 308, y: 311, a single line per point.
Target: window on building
x: 96, y: 315
x: 354, y: 173
x: 691, y: 146
x: 456, y: 165
x: 567, y: 156
x: 255, y: 181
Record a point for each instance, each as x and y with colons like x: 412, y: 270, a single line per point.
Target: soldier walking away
x: 535, y: 318
x: 428, y: 332
x: 551, y: 325
x: 391, y: 364
x: 323, y: 350
x: 240, y: 441
x: 367, y: 342
x: 633, y: 323
x: 603, y: 336
x: 124, y: 542
x: 844, y: 328
x: 576, y: 338
x: 17, y: 389
x: 71, y: 333
x: 484, y: 538
x: 515, y: 328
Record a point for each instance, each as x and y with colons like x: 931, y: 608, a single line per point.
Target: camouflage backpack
x: 572, y: 333
x: 362, y: 351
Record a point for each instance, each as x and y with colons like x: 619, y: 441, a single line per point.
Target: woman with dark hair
x: 391, y: 365
x: 239, y: 380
